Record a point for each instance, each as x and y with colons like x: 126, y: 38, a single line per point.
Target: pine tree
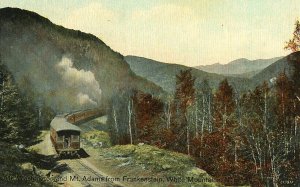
x: 184, y: 98
x: 224, y: 107
x: 217, y: 152
x: 148, y: 111
x: 294, y: 43
x: 17, y: 114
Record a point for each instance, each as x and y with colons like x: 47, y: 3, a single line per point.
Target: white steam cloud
x: 81, y: 81
x: 84, y: 99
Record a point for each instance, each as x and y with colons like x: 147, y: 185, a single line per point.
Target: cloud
x: 84, y: 99
x: 82, y: 81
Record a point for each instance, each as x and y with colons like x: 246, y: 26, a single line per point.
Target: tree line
x: 18, y: 118
x: 239, y: 138
x: 20, y: 125
x: 21, y: 115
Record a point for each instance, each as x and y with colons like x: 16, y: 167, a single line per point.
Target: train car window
x: 60, y: 138
x: 75, y: 138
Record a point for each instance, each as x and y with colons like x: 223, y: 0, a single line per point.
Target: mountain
x: 270, y: 73
x: 240, y: 67
x: 63, y: 68
x: 164, y: 74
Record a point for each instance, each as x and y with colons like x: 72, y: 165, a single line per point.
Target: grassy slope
x: 164, y: 74
x: 147, y: 161
x: 139, y: 160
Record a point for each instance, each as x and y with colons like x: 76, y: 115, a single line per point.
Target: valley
x: 234, y: 124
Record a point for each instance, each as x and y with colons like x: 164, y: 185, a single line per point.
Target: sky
x: 189, y: 32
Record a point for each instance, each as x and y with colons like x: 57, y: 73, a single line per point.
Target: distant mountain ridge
x: 239, y: 67
x: 164, y: 74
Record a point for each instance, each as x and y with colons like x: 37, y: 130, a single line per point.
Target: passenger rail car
x: 83, y: 115
x: 65, y: 136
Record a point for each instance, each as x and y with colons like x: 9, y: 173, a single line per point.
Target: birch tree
x: 129, y: 108
x: 202, y: 114
x: 167, y: 112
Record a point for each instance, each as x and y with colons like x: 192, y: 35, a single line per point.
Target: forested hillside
x: 20, y: 122
x: 64, y: 68
x: 241, y: 131
x: 240, y: 138
x: 164, y: 74
x: 270, y: 72
x: 239, y: 67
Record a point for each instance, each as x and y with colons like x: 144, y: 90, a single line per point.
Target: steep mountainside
x: 63, y: 68
x: 164, y: 74
x: 240, y: 67
x: 271, y: 72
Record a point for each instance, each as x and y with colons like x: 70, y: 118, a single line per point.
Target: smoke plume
x: 84, y: 82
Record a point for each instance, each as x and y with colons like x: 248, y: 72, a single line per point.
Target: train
x: 79, y: 116
x: 65, y: 135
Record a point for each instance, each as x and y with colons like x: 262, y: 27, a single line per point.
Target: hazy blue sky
x: 190, y: 32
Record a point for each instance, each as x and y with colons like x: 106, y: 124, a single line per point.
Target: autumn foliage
x: 247, y: 138
x: 294, y: 43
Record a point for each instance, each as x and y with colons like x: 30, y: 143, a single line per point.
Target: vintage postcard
x: 149, y: 93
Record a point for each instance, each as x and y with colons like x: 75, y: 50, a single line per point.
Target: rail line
x: 87, y: 176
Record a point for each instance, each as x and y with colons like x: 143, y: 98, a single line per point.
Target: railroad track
x: 84, y: 173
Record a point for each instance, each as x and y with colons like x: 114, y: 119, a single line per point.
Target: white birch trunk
x: 129, y: 121
x: 115, y: 120
x: 209, y: 114
x: 187, y: 136
x: 169, y: 115
x: 196, y: 121
x: 265, y: 112
x: 2, y: 95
